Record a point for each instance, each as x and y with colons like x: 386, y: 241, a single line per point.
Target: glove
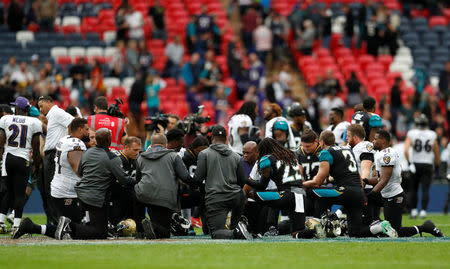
x: 412, y: 168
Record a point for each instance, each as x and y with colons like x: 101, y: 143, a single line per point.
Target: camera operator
x: 193, y: 126
x: 174, y: 120
x: 121, y: 196
x: 111, y: 121
x: 154, y: 125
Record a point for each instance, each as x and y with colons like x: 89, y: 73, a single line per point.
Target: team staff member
x: 121, y: 197
x: 223, y: 173
x: 299, y: 123
x: 69, y: 151
x: 389, y: 185
x: 21, y: 135
x: 57, y: 128
x: 158, y: 171
x: 98, y: 168
x: 102, y: 120
x: 340, y: 163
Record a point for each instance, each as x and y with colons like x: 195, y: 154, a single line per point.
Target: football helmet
x: 126, y: 228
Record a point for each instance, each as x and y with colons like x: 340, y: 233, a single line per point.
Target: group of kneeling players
x: 107, y: 194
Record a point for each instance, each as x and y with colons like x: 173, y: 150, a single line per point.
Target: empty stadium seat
x: 76, y: 52
x: 24, y: 37
x: 94, y: 51
x: 110, y: 51
x: 71, y: 20
x: 55, y: 52
x: 109, y: 37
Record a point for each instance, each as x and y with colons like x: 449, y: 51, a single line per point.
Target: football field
x: 202, y: 252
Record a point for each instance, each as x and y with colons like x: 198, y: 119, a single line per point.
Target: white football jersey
x: 339, y: 131
x: 63, y: 183
x: 422, y: 143
x: 400, y: 149
x: 236, y: 122
x: 19, y: 133
x: 389, y: 157
x: 364, y: 151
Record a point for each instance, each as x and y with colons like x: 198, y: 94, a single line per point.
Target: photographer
x: 154, y: 125
x: 111, y: 121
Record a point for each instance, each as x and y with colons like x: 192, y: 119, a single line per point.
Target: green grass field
x: 275, y: 252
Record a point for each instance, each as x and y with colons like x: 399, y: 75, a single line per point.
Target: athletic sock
x: 16, y: 222
x: 43, y: 229
x: 376, y: 228
x: 2, y: 218
x: 418, y: 229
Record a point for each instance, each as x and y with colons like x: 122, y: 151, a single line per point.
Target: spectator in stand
x: 191, y: 34
x: 396, y: 103
x: 204, y: 22
x: 262, y: 36
x: 331, y: 83
x: 7, y: 91
x: 174, y: 53
x: 34, y: 67
x: 16, y: 16
x: 275, y: 90
x: 153, y: 85
x: 97, y: 80
x: 50, y: 71
x: 42, y: 85
x: 257, y: 71
x: 306, y: 38
x: 221, y: 105
x: 145, y: 57
x: 216, y: 39
x: 249, y: 24
x: 135, y: 22
x: 156, y: 14
x: 285, y: 76
x: 191, y: 70
x: 242, y: 80
x: 328, y: 102
x: 46, y: 12
x: 79, y: 73
x: 390, y: 39
x: 136, y: 98
x: 194, y: 98
x: 319, y: 88
x: 117, y: 63
x: 10, y: 67
x: 234, y: 56
x: 355, y: 90
x: 121, y: 24
x: 22, y: 76
x: 210, y: 79
x: 372, y: 38
x: 31, y: 14
x: 279, y: 31
x: 444, y: 80
x: 209, y: 59
x: 324, y: 27
x: 132, y: 56
x: 348, y: 27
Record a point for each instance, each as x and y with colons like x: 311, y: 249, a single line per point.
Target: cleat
x: 14, y: 230
x: 3, y: 228
x: 149, y: 232
x: 423, y: 214
x: 10, y: 218
x: 196, y: 222
x: 25, y: 227
x: 241, y: 232
x: 63, y: 229
x: 319, y: 231
x: 273, y: 231
x: 388, y: 230
x: 413, y: 214
x: 429, y: 227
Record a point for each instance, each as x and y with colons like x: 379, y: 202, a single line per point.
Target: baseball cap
x: 219, y: 130
x: 281, y: 125
x: 21, y: 102
x: 34, y: 57
x: 297, y: 111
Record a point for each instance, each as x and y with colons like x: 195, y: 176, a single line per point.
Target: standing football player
x: 299, y: 123
x: 389, y: 185
x: 21, y: 135
x: 425, y: 151
x: 364, y: 155
x: 340, y: 163
x: 367, y: 118
x: 338, y: 125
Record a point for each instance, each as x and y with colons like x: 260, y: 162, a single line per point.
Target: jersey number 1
x: 15, y: 132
